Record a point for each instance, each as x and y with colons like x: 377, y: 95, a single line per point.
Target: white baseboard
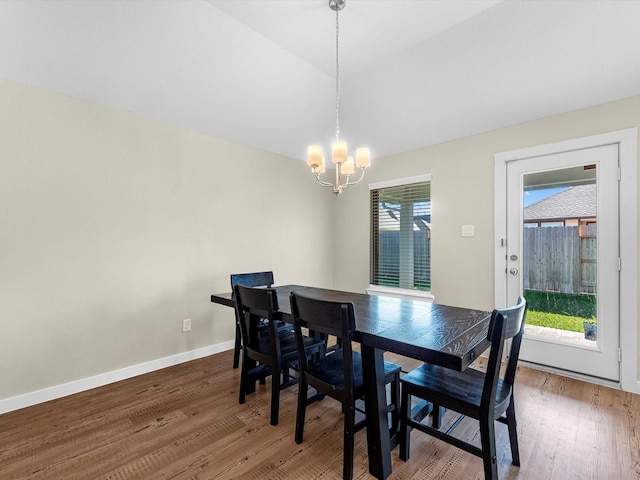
x: 574, y: 375
x: 51, y: 393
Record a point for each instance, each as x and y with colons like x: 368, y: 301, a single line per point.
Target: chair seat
x: 458, y: 388
x: 287, y: 344
x: 263, y: 326
x: 329, y: 370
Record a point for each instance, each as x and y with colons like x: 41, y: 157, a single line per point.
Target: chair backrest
x: 255, y: 279
x: 514, y: 318
x: 325, y: 318
x: 253, y: 305
x: 506, y: 323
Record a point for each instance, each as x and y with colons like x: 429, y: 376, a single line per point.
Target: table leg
x: 378, y: 444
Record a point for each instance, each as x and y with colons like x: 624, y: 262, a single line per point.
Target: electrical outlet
x: 186, y: 325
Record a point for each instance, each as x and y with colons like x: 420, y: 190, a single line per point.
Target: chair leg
x: 513, y: 434
x: 238, y: 346
x: 275, y: 396
x: 395, y: 399
x: 488, y: 440
x: 243, y: 381
x: 286, y: 374
x: 249, y: 367
x: 349, y: 441
x: 405, y: 430
x: 436, y: 415
x: 302, y: 406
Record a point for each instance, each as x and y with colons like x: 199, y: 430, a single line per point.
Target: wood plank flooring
x: 185, y: 423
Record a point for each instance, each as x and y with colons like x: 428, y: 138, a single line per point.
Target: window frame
x: 399, y: 292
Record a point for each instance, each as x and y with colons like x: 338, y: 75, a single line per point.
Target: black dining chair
x: 273, y: 354
x: 253, y: 279
x: 485, y: 397
x: 339, y: 373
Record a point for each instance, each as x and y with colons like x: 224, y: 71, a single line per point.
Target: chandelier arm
x: 357, y: 181
x: 323, y: 183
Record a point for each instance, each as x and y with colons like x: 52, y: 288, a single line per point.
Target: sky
x: 533, y: 196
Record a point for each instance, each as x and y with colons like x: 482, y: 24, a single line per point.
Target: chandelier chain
x: 345, y: 164
x: 337, y: 78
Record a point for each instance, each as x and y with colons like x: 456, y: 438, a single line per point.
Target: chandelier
x: 345, y: 166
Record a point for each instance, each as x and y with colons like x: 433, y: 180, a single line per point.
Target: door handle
x: 513, y: 271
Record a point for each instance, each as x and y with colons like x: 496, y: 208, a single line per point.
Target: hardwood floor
x: 185, y: 422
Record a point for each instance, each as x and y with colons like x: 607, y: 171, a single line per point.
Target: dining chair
x: 485, y: 397
x: 273, y: 354
x: 254, y: 279
x: 339, y: 373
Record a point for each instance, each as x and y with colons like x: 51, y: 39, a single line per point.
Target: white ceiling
x: 370, y: 30
x: 262, y: 72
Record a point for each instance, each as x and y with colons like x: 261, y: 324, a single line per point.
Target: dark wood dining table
x: 449, y: 336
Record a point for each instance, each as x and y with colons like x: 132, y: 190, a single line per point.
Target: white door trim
x: 628, y: 145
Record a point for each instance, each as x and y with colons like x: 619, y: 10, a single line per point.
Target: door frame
x: 627, y: 141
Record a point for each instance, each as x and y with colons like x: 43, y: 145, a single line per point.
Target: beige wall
x: 114, y: 228
x: 462, y: 193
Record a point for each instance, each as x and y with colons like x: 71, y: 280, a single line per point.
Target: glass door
x: 562, y: 254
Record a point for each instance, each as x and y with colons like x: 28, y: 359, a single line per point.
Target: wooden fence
x: 389, y: 258
x: 560, y: 259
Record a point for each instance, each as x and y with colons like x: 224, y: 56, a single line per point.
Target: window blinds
x: 401, y: 236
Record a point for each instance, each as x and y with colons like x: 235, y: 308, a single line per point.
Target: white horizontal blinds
x: 401, y: 236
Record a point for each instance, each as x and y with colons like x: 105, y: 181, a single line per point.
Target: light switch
x: 468, y: 231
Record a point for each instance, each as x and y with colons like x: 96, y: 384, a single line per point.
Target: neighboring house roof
x: 388, y: 221
x: 575, y: 202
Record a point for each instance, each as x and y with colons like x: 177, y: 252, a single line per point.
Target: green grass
x: 554, y: 320
x: 560, y: 310
x: 562, y: 303
x: 395, y: 282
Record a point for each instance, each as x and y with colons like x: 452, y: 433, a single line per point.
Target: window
x: 401, y: 233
